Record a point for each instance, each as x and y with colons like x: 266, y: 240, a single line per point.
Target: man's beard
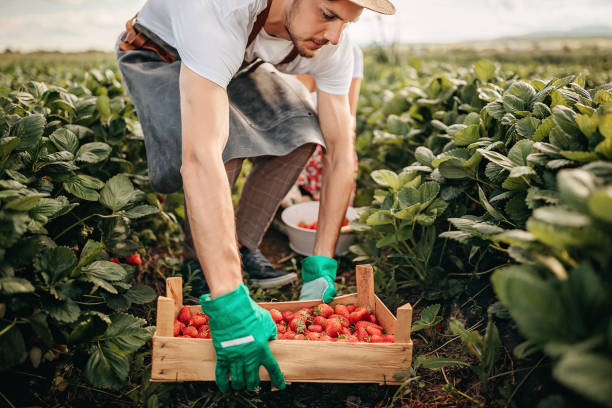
x: 298, y: 42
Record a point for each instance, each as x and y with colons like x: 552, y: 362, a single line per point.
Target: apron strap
x: 259, y: 23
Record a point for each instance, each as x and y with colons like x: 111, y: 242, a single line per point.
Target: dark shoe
x: 191, y: 271
x: 261, y: 272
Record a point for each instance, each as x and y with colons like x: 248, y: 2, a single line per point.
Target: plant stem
x: 9, y: 327
x: 7, y: 400
x: 82, y: 220
x: 523, y: 381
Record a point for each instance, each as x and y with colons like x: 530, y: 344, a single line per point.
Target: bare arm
x: 338, y: 162
x: 205, y: 129
x: 353, y: 99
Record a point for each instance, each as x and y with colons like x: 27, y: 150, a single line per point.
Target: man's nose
x: 334, y: 31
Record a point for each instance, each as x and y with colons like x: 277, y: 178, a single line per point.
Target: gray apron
x: 270, y: 113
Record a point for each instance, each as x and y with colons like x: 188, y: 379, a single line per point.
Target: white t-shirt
x: 211, y: 37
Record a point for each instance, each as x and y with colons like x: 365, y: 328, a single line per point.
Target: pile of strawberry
x: 313, y: 226
x: 188, y: 325
x: 345, y: 323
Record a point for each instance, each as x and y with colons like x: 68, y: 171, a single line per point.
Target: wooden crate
x: 178, y: 359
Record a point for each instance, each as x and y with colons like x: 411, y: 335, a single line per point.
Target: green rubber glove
x: 318, y: 276
x: 240, y: 331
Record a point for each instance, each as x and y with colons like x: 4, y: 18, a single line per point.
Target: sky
x: 71, y: 25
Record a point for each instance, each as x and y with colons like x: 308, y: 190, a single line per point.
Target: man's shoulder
x: 246, y: 8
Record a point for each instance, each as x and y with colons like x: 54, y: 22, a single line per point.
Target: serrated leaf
x: 386, y: 178
x: 14, y: 285
x: 64, y: 139
x: 140, y: 294
x: 64, y: 311
x: 519, y: 152
x: 84, y: 187
x: 29, y: 130
x: 106, y: 270
x: 467, y: 135
x: 600, y: 204
x: 484, y: 70
x: 424, y: 155
x: 94, y: 152
x: 605, y: 125
x: 117, y: 192
x: 438, y: 363
x: 587, y: 373
x: 141, y: 211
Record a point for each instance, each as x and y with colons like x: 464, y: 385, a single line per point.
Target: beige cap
x: 379, y: 6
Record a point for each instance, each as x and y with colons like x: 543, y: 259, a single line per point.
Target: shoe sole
x: 274, y: 282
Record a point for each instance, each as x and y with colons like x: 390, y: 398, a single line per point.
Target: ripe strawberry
x: 343, y: 320
x: 351, y: 308
x: 314, y: 336
x: 277, y: 316
x: 305, y: 314
x: 115, y: 260
x: 343, y: 338
x: 288, y: 335
x: 204, y: 332
x: 373, y: 331
x: 365, y: 324
x: 190, y: 331
x: 360, y: 313
x: 199, y: 319
x: 162, y: 199
x: 352, y: 338
x: 346, y: 331
x: 377, y: 338
x: 333, y: 327
x: 319, y: 320
x: 134, y: 259
x: 324, y: 337
x: 185, y: 315
x: 389, y: 338
x: 297, y: 324
x: 342, y: 311
x: 361, y: 334
x: 287, y: 316
x: 315, y: 328
x: 281, y: 328
x: 324, y: 310
x: 178, y: 327
x: 345, y: 222
x: 373, y: 319
x: 299, y: 337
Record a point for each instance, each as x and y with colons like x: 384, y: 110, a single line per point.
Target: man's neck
x: 275, y: 23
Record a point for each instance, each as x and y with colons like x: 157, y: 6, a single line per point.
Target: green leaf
x: 12, y: 227
x: 64, y: 139
x: 519, y: 152
x: 7, y: 145
x: 107, y: 367
x: 484, y: 70
x: 579, y: 156
x: 527, y: 127
x: 126, y: 332
x: 117, y: 192
x: 429, y: 318
x: 408, y: 213
x: 140, y: 294
x: 386, y: 178
x: 533, y: 303
x: 575, y: 187
x: 544, y: 129
x: 427, y: 192
x: 515, y: 237
x: 105, y: 270
x: 605, y: 125
x: 560, y: 216
x: 587, y: 124
x: 381, y: 217
x: 12, y: 347
x: 29, y: 130
x: 94, y: 152
x: 24, y: 203
x: 487, y: 205
x: 13, y: 285
x: 468, y: 135
x: 141, y: 211
x: 565, y: 118
x: 64, y: 311
x: 424, y: 155
x: 600, y: 204
x: 84, y: 187
x: 58, y: 262
x: 438, y: 363
x: 103, y: 105
x: 90, y: 252
x: 586, y: 373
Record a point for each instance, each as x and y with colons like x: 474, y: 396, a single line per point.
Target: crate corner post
x: 365, y: 286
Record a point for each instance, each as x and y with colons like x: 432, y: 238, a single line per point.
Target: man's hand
x: 318, y: 276
x: 240, y: 331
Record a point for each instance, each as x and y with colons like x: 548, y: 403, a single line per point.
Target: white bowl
x: 301, y: 240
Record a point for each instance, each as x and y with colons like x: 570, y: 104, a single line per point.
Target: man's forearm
x: 211, y: 217
x: 336, y: 189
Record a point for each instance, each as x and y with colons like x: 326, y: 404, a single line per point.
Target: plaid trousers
x: 270, y: 179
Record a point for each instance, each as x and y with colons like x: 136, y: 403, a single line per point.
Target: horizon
x: 80, y: 25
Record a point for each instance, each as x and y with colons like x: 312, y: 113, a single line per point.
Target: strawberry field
x: 487, y: 182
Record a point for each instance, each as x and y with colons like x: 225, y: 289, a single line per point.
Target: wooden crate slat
x: 300, y: 361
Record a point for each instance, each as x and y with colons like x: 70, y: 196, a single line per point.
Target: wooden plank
x: 165, y: 316
x: 299, y: 361
x: 404, y: 323
x: 385, y: 317
x: 365, y: 286
x: 174, y: 290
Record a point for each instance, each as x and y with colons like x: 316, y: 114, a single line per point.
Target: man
x: 179, y: 65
